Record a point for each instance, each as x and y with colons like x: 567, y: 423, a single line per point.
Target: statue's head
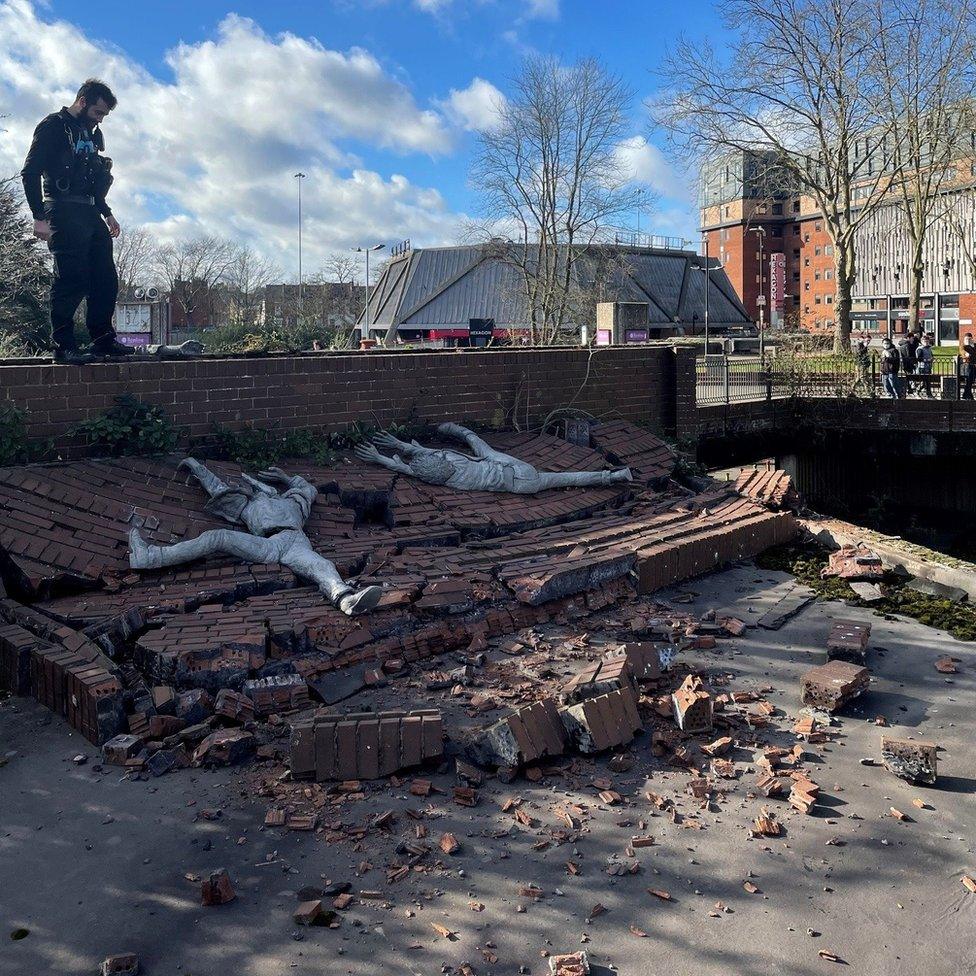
x: 435, y: 469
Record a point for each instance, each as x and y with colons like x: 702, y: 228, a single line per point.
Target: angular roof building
x: 435, y: 292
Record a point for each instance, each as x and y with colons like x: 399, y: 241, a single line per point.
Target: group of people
x: 907, y: 368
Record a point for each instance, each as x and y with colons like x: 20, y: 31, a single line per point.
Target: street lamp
x: 366, y: 250
x: 706, y: 269
x: 761, y: 300
x: 300, y: 177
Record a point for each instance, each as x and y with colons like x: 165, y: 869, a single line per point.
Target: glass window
x: 818, y: 227
x: 777, y: 208
x: 816, y: 299
x: 830, y: 299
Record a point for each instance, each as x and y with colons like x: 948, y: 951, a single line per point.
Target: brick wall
x: 334, y: 390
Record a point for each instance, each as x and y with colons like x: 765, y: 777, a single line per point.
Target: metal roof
x: 447, y: 286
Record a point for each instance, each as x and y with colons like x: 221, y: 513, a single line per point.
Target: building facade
x: 434, y: 294
x: 774, y: 246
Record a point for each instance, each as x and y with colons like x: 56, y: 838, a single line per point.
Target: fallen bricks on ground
x: 365, y: 745
x: 217, y: 888
x: 831, y: 686
x: 910, y: 759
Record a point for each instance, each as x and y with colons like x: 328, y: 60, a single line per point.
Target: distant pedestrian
x: 969, y: 364
x: 890, y: 365
x: 926, y: 360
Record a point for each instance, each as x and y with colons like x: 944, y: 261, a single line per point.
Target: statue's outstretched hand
x: 384, y: 439
x: 368, y: 452
x: 275, y: 476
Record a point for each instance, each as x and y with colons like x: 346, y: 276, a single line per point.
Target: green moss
x: 806, y: 561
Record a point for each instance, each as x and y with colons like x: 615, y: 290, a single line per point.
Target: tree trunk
x: 916, y: 272
x: 845, y: 270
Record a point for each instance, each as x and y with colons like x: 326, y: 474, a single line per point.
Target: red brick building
x: 748, y: 215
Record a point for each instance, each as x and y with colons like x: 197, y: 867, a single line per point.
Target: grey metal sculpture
x: 184, y: 350
x: 489, y: 470
x: 274, y: 534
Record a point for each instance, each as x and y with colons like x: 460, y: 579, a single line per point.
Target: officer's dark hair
x: 93, y: 90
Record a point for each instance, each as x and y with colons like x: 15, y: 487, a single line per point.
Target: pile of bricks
x: 775, y: 489
x: 460, y: 568
x: 282, y: 693
x: 364, y: 745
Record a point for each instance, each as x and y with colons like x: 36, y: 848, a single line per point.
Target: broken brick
x: 831, y: 686
x: 910, y: 759
x: 217, y: 888
x: 692, y: 706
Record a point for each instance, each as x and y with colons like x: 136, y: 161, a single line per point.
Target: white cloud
x: 216, y: 148
x: 643, y: 162
x: 543, y: 9
x: 476, y: 107
x: 529, y: 9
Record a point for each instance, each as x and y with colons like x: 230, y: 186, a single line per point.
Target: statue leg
x: 304, y: 561
x: 583, y: 479
x: 245, y: 546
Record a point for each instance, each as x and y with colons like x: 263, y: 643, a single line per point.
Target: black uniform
x: 65, y: 181
x: 969, y: 356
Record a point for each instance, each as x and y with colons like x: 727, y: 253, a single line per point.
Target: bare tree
x: 798, y: 83
x: 246, y: 276
x: 135, y: 258
x: 551, y: 179
x: 924, y: 61
x: 191, y: 270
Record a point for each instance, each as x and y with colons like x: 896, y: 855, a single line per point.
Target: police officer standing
x: 66, y: 181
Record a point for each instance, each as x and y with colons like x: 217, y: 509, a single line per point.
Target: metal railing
x: 743, y: 379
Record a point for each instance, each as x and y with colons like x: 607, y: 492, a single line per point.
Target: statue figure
x: 275, y: 534
x: 489, y: 470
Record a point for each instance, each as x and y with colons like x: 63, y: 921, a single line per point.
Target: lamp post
x: 300, y: 176
x: 366, y: 250
x: 640, y: 194
x: 705, y: 268
x: 760, y: 232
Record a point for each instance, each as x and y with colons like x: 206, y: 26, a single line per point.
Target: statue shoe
x: 141, y: 554
x: 354, y: 604
x: 622, y: 475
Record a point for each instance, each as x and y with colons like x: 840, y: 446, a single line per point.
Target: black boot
x: 72, y: 357
x: 111, y: 349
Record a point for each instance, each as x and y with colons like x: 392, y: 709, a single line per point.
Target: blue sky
x: 378, y: 100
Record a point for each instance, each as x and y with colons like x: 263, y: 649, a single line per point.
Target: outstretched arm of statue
x: 391, y: 443
x: 210, y: 483
x: 367, y: 452
x: 480, y: 448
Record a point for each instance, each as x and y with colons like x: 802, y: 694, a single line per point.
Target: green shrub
x: 258, y: 447
x: 130, y: 427
x: 15, y: 445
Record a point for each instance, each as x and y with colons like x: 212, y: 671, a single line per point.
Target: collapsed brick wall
x: 502, y: 388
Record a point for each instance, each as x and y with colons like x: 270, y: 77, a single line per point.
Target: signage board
x: 777, y: 281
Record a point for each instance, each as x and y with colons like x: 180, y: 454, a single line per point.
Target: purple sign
x: 635, y: 335
x: 135, y: 338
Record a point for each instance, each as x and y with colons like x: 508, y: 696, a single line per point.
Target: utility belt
x: 70, y: 198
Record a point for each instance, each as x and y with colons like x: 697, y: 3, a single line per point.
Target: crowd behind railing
x: 912, y: 368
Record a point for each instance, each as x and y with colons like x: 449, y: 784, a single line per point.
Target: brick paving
x: 90, y: 638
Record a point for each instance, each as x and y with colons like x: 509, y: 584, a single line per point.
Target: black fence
x: 741, y: 379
